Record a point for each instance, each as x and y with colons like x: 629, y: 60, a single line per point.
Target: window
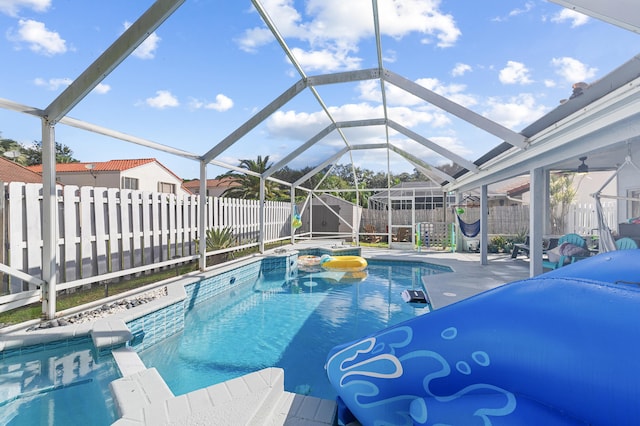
x: 167, y: 188
x: 129, y: 183
x: 634, y: 206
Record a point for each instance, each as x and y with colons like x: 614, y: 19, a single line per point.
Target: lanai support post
x: 484, y: 225
x: 49, y: 220
x: 202, y: 215
x: 538, y: 186
x: 460, y: 241
x: 293, y: 207
x: 262, y: 201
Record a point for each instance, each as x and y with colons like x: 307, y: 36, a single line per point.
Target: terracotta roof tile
x: 224, y: 183
x: 13, y: 172
x: 105, y: 166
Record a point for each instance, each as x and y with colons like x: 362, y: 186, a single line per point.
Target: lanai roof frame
x: 57, y: 112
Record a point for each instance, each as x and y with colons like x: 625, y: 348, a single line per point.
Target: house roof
x: 13, y: 172
x: 105, y: 166
x: 225, y: 182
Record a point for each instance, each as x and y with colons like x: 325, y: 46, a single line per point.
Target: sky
x: 213, y: 64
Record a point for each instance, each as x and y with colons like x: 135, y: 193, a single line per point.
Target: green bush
x: 220, y: 238
x: 497, y: 244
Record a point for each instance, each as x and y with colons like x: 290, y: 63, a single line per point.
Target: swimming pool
x: 65, y: 384
x: 286, y: 320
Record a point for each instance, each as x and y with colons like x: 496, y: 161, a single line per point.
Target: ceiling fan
x: 583, y: 168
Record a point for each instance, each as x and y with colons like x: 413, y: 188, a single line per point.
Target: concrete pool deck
x: 468, y: 278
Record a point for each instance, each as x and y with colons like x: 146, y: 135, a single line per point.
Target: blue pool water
x: 290, y: 323
x: 66, y: 385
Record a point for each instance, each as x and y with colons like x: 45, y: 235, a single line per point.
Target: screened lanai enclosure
x: 370, y: 108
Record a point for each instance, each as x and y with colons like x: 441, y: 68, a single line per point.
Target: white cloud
x: 222, y: 103
x: 56, y: 83
x: 572, y: 70
x: 515, y: 111
x: 549, y: 83
x: 390, y: 56
x: 334, y: 37
x: 515, y: 12
x: 147, y: 49
x: 460, y: 69
x: 101, y: 89
x: 12, y: 7
x: 370, y: 91
x: 163, y: 99
x: 302, y: 125
x: 326, y: 60
x: 39, y: 38
x: 401, y: 17
x: 576, y: 18
x: 53, y: 83
x: 254, y: 38
x: 515, y: 73
x: 454, y: 92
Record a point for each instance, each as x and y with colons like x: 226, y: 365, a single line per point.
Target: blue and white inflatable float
x: 559, y: 349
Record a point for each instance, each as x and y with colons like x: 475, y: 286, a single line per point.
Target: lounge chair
x: 573, y: 239
x: 403, y: 235
x: 626, y: 243
x: 518, y: 247
x: 371, y: 229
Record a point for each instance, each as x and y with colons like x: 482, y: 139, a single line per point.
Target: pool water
x: 290, y: 323
x: 66, y: 385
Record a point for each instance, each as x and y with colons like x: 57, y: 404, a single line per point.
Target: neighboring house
x: 13, y: 172
x: 425, y: 195
x: 585, y: 185
x: 215, y: 187
x: 144, y: 174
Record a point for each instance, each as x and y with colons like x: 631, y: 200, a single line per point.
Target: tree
x: 249, y: 186
x: 33, y: 154
x: 15, y: 149
x: 561, y: 195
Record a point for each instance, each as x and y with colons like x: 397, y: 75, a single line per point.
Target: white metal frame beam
x: 117, y: 52
x: 321, y: 166
x: 609, y: 120
x: 94, y: 128
x: 258, y: 118
x: 622, y: 13
x: 424, y: 167
x: 508, y: 135
x: 434, y: 146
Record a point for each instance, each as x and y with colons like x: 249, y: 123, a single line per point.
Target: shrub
x: 220, y: 238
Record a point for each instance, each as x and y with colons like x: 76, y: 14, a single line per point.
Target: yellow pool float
x: 343, y: 263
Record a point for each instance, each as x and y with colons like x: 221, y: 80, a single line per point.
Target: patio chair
x: 403, y: 235
x: 626, y: 243
x: 371, y: 229
x: 573, y: 239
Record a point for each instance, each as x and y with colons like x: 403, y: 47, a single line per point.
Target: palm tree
x: 249, y: 186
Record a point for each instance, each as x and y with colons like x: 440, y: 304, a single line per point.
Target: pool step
x: 132, y: 394
x: 294, y: 409
x: 255, y: 399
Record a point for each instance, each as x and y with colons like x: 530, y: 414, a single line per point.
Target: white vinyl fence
x: 583, y: 217
x: 103, y: 230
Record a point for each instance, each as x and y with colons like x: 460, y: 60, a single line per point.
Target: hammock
x: 469, y: 230
x: 606, y: 242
